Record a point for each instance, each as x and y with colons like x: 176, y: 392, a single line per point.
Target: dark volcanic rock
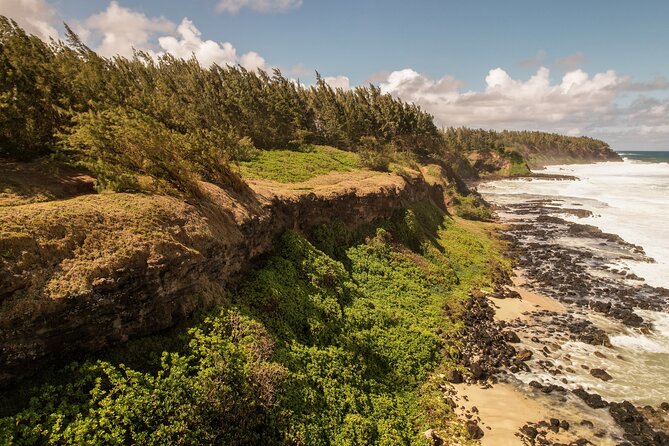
x: 473, y: 430
x: 485, y: 349
x: 601, y: 374
x: 530, y: 431
x: 512, y: 337
x: 637, y: 429
x: 591, y: 399
x: 524, y: 355
x: 477, y: 370
x: 454, y: 376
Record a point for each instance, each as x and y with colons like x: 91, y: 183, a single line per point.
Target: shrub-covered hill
x: 512, y: 152
x: 339, y: 341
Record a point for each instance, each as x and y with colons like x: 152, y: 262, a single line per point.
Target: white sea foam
x: 638, y: 342
x: 630, y: 199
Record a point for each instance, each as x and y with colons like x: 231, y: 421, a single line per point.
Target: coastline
x: 568, y: 340
x: 504, y: 409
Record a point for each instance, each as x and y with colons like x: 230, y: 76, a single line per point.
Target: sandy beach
x: 505, y: 407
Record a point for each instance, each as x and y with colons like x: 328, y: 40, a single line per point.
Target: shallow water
x: 630, y: 199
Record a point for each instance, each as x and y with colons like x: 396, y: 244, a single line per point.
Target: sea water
x: 630, y: 199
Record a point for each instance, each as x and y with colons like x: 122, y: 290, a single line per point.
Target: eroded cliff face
x: 81, y: 274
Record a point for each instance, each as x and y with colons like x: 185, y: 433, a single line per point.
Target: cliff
x: 82, y: 272
x: 538, y: 157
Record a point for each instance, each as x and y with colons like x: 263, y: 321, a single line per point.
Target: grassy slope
x: 288, y: 166
x: 331, y: 346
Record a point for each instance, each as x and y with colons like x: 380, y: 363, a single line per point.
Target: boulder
x: 601, y: 374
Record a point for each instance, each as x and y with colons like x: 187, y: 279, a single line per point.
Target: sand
x: 509, y: 309
x: 503, y: 409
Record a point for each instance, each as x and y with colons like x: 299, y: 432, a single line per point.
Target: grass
x: 516, y: 169
x: 288, y: 166
x: 334, y: 346
x: 60, y: 248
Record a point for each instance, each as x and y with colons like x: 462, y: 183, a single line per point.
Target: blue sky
x: 579, y: 67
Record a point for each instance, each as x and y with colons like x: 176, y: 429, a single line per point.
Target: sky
x: 598, y: 68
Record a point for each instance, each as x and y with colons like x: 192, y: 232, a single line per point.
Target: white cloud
x: 576, y: 104
x: 122, y: 29
x: 338, y: 82
x: 207, y: 52
x: 190, y: 43
x: 233, y: 6
x: 301, y: 70
x: 252, y: 61
x: 119, y: 31
x: 35, y: 16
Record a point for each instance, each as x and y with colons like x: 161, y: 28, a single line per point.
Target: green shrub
x: 121, y: 146
x: 374, y: 155
x: 472, y: 207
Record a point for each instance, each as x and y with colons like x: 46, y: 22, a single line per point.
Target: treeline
x: 465, y: 140
x: 168, y: 123
x: 175, y: 121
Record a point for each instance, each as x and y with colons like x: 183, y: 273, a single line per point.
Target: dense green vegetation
x: 289, y: 166
x: 462, y: 139
x: 338, y: 339
x: 63, y: 98
x: 319, y: 346
x: 525, y: 147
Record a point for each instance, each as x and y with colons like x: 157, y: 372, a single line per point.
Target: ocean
x: 647, y: 156
x: 629, y: 199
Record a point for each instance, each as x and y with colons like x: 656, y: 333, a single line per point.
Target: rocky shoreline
x: 570, y: 264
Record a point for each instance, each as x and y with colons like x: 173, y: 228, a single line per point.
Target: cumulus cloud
x: 189, y: 42
x: 300, y: 70
x: 252, y: 61
x: 122, y: 29
x: 233, y: 6
x: 506, y: 101
x: 338, y: 82
x: 577, y: 103
x: 35, y: 16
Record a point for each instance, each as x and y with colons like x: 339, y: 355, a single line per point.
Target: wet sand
x: 509, y: 309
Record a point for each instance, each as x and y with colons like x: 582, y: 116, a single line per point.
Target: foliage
x: 373, y: 154
x: 472, y: 207
x: 119, y: 146
x: 526, y: 144
x: 309, y: 351
x: 216, y: 393
x: 214, y: 115
x: 289, y: 166
x: 31, y: 102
